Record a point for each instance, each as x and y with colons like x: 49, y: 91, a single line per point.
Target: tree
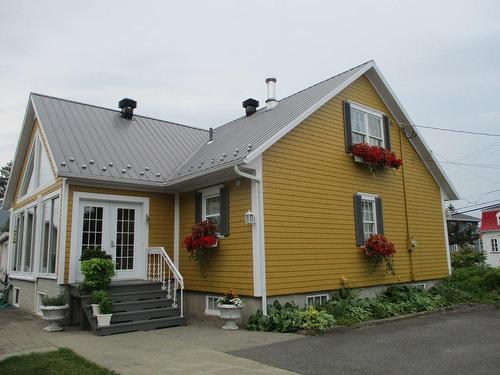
x: 461, y: 237
x: 4, y: 177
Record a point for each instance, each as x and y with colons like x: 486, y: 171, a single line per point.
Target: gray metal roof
x: 464, y: 217
x: 89, y: 141
x: 234, y: 141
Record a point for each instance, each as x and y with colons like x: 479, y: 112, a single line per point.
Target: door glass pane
x: 92, y: 227
x: 125, y: 239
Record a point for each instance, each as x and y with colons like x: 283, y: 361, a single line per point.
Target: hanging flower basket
x: 202, y: 240
x: 380, y: 251
x: 376, y: 157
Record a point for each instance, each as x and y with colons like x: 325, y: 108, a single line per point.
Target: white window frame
x: 15, y: 296
x: 494, y: 245
x: 38, y: 239
x: 370, y: 198
x: 211, y: 311
x: 39, y: 297
x: 36, y: 150
x: 40, y: 209
x: 211, y: 192
x: 368, y: 111
x: 314, y: 296
x: 498, y: 218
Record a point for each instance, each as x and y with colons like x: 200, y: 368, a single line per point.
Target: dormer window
x: 365, y: 125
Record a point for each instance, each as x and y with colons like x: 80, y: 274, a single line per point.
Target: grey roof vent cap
x: 250, y: 106
x: 127, y: 106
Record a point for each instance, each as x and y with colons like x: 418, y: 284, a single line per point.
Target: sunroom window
x: 38, y: 171
x: 366, y: 127
x: 50, y: 230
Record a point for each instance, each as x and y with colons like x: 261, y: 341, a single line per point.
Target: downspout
x: 410, y: 248
x: 260, y: 233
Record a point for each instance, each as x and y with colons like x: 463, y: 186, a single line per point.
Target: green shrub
x: 313, y: 319
x: 105, y: 304
x: 467, y: 257
x: 280, y: 318
x: 97, y: 273
x: 98, y: 295
x: 59, y: 300
x: 91, y: 253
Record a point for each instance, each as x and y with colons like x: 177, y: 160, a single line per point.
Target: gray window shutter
x: 358, y: 216
x: 387, y: 132
x: 198, y: 207
x: 224, y: 211
x: 380, y: 216
x: 348, y: 127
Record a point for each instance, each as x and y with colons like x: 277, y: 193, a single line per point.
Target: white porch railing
x: 161, y: 268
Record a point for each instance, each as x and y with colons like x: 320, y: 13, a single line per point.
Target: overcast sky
x: 193, y: 62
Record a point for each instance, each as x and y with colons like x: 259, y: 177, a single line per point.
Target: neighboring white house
x: 490, y: 235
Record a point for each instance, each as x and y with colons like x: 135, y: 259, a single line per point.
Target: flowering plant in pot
x: 376, y: 157
x: 380, y: 250
x: 230, y: 307
x: 54, y: 310
x: 201, y: 242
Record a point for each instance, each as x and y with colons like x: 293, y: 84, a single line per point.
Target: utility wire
x: 454, y: 130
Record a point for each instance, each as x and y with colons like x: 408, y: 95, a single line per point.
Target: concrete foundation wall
x: 29, y: 292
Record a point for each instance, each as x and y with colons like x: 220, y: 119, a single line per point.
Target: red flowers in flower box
x: 376, y: 157
x: 380, y: 249
x: 203, y: 237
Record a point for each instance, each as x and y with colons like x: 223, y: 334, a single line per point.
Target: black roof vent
x: 250, y: 106
x: 127, y: 106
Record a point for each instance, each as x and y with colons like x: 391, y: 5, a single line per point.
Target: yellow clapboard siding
x: 161, y: 217
x: 231, y: 264
x: 309, y: 183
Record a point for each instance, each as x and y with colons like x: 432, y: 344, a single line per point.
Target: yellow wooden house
x: 280, y: 182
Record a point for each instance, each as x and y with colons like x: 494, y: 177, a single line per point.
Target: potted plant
x: 376, y: 157
x: 380, y: 250
x: 230, y: 307
x: 105, y: 308
x: 95, y: 297
x: 97, y: 273
x: 202, y: 240
x: 54, y: 310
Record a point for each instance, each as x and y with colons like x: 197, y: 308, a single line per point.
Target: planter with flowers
x: 201, y: 242
x: 380, y: 251
x: 376, y: 157
x: 230, y: 307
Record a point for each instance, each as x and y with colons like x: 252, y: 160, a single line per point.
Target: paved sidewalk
x: 194, y: 349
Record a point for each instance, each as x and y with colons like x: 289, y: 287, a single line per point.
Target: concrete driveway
x: 449, y: 343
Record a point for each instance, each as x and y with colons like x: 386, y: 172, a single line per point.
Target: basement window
x: 211, y: 306
x: 17, y: 293
x: 317, y: 299
x: 39, y: 298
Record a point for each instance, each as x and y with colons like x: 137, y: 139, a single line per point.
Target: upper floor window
x: 211, y: 208
x: 38, y: 171
x: 494, y: 245
x: 368, y: 216
x: 212, y: 204
x: 365, y: 125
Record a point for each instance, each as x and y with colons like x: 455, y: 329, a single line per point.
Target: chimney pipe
x: 250, y: 106
x: 210, y: 135
x: 271, y: 101
x: 127, y: 107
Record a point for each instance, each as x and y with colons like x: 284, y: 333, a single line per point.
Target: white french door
x: 117, y: 228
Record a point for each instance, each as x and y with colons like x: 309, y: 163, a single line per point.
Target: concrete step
x: 141, y: 325
x: 132, y: 316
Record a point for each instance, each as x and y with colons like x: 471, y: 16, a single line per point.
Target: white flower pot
x: 104, y: 320
x: 230, y: 313
x: 95, y: 309
x: 53, y: 314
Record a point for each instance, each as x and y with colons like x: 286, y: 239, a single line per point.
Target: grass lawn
x: 59, y: 362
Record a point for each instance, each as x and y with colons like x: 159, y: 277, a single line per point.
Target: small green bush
x: 317, y: 320
x: 467, y: 257
x: 104, y: 300
x: 59, y: 300
x: 97, y: 273
x: 91, y: 253
x: 98, y: 295
x: 280, y: 318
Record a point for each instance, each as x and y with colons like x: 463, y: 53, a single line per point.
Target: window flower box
x: 376, y: 157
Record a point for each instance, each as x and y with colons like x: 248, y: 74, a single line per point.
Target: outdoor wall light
x: 249, y: 217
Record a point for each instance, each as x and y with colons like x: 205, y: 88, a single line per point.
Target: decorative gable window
x: 38, y: 171
x: 212, y: 204
x: 365, y: 125
x: 368, y: 216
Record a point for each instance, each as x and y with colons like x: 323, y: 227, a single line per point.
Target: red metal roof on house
x: 489, y: 221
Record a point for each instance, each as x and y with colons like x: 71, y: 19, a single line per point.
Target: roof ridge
x: 115, y: 110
